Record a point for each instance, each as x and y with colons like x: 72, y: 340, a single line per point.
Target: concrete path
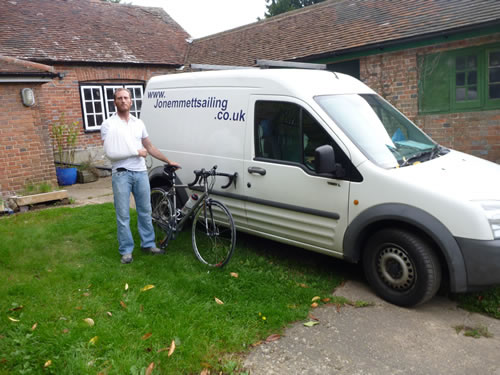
x: 96, y: 192
x: 382, y: 339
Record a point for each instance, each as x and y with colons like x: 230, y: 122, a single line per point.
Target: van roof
x: 297, y: 82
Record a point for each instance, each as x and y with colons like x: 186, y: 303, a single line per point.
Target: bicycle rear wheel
x: 161, y: 214
x: 213, y: 234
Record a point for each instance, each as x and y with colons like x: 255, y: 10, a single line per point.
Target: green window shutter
x: 434, y: 83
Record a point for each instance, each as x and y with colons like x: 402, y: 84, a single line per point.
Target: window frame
x: 105, y: 101
x: 482, y: 103
x: 342, y: 156
x: 490, y: 103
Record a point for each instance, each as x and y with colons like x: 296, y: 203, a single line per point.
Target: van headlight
x: 492, y: 211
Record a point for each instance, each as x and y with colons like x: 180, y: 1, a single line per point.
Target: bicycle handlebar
x: 203, y: 174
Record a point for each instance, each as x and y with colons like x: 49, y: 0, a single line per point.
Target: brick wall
x: 25, y: 143
x: 26, y: 156
x: 395, y: 77
x: 63, y: 96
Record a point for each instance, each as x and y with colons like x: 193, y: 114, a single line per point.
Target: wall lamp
x: 28, y: 97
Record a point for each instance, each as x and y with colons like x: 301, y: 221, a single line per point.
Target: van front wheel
x: 401, y: 267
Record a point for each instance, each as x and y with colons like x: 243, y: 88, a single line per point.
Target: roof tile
x: 89, y: 31
x: 338, y: 26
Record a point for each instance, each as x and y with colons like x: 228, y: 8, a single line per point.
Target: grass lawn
x: 60, y: 267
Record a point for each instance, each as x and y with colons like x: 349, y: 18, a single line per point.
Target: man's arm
x: 153, y: 151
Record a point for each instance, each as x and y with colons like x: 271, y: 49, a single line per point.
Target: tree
x: 275, y: 7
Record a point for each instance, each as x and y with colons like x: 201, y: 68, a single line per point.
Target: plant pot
x: 85, y: 176
x: 66, y: 176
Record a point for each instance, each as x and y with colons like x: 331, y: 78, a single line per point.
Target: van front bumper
x: 482, y: 262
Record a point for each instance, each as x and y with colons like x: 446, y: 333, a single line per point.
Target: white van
x: 326, y: 164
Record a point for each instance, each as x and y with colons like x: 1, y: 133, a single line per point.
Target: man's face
x: 123, y: 101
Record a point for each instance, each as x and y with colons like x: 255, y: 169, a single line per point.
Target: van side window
x: 286, y: 132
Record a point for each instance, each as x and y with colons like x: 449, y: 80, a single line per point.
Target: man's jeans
x: 136, y: 183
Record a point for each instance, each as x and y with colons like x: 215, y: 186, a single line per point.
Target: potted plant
x: 65, y: 137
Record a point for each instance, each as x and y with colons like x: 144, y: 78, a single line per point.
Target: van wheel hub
x: 396, y: 268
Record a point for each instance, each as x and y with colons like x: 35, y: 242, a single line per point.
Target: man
x: 129, y: 174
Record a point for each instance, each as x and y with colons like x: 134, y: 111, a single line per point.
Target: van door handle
x: 257, y: 170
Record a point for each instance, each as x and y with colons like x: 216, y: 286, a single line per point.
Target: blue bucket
x: 66, y: 176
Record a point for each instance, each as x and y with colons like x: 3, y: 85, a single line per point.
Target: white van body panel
x: 208, y: 118
x: 445, y: 187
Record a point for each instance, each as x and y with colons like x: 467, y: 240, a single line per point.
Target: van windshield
x: 381, y: 132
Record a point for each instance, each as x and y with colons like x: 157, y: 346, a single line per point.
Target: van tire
x: 401, y: 267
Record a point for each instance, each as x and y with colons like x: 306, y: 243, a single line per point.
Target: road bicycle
x: 213, y: 231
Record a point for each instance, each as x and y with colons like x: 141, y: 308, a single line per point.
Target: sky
x: 205, y: 17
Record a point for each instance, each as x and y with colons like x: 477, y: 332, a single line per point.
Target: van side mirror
x: 324, y: 161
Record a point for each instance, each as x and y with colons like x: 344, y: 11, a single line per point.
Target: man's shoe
x: 153, y: 250
x: 126, y: 259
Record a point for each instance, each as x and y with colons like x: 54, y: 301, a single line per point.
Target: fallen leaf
x: 172, y: 348
x: 126, y: 286
x: 78, y: 308
x: 260, y: 342
x: 109, y: 313
x: 150, y: 368
x: 326, y: 300
x: 315, y: 298
x: 34, y: 326
x: 302, y: 285
x: 147, y: 336
x: 273, y: 337
x: 47, y: 364
x: 17, y: 308
x: 310, y: 323
x: 123, y: 304
x: 313, y: 317
x: 314, y: 305
x: 89, y: 321
x: 93, y: 340
x: 234, y: 274
x: 65, y: 330
x: 86, y: 294
x: 162, y: 350
x: 218, y: 301
x: 147, y: 287
x: 141, y: 308
x: 205, y: 371
x: 13, y: 320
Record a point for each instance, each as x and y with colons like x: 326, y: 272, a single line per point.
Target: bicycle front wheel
x: 213, y: 233
x: 161, y: 214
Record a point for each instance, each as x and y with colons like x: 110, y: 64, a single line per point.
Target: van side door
x: 286, y: 199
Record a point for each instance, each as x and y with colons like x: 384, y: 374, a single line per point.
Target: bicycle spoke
x: 214, y: 236
x: 161, y: 208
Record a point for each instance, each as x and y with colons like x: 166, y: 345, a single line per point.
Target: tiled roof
x: 89, y: 31
x: 340, y: 26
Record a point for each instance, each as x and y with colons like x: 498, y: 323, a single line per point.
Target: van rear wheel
x: 401, y: 267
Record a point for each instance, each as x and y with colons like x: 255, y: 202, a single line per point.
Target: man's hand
x: 174, y: 164
x: 143, y: 152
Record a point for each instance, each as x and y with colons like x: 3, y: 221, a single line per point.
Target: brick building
x: 436, y: 60
x: 73, y: 54
x: 415, y: 53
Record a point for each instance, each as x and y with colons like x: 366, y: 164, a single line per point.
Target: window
x: 285, y: 132
x: 466, y: 79
x: 98, y: 102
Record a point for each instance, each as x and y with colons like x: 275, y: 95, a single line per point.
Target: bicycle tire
x: 161, y: 215
x: 213, y: 233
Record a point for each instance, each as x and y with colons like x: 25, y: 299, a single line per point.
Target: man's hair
x: 122, y: 89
